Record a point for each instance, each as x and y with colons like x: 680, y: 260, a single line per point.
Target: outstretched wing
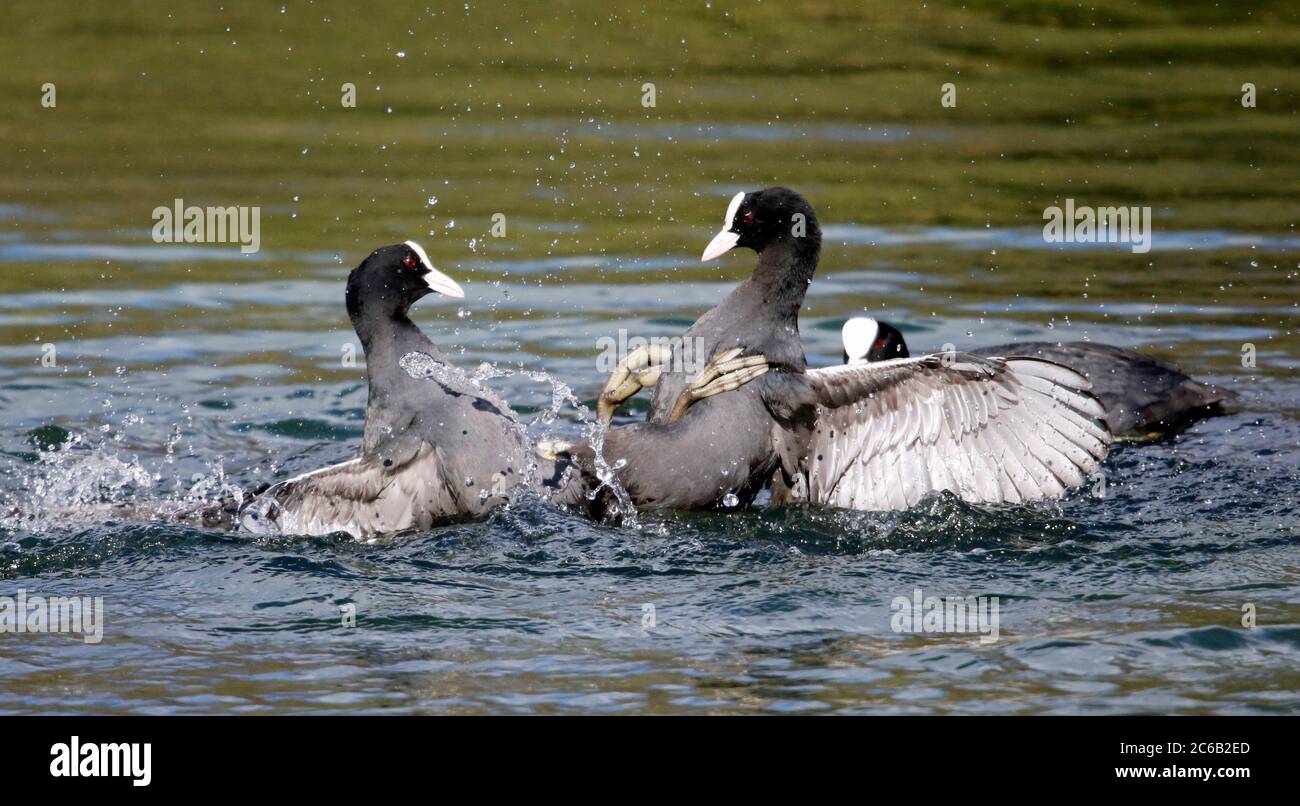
x: 988, y: 429
x: 360, y: 496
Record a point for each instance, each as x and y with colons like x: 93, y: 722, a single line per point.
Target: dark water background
x: 186, y: 370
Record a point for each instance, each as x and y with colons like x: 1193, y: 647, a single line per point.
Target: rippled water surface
x: 182, y: 372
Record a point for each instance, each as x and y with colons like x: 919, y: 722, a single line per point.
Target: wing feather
x: 989, y: 430
x: 360, y: 497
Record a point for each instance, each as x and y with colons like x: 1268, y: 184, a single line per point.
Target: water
x: 1131, y: 602
x: 188, y: 372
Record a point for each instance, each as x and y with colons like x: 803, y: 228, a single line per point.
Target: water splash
x: 113, y: 470
x: 88, y: 480
x: 67, y: 481
x: 561, y: 394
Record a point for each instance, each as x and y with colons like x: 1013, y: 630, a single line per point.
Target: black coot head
x: 391, y: 280
x: 765, y: 218
x: 887, y: 344
x: 870, y: 340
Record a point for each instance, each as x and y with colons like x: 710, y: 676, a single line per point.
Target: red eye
x: 879, y: 345
x: 749, y: 218
x: 409, y: 261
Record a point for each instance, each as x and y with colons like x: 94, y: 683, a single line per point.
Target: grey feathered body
x: 475, y: 437
x: 729, y: 444
x: 437, y: 445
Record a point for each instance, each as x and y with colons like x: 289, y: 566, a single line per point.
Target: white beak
x: 435, y: 279
x: 443, y: 284
x: 721, y: 244
x: 724, y: 240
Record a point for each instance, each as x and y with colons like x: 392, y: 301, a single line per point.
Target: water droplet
x: 730, y: 500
